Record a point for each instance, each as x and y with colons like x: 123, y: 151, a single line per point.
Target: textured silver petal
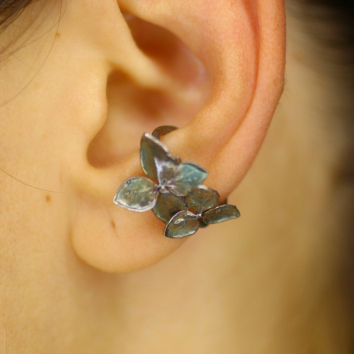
x: 202, y: 198
x: 167, y: 171
x: 168, y: 205
x: 151, y: 151
x: 136, y: 194
x: 190, y: 176
x: 182, y: 224
x: 220, y: 213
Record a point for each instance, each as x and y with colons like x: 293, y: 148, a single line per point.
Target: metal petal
x: 183, y: 224
x: 163, y: 130
x: 168, y: 205
x: 136, y: 194
x: 151, y: 151
x: 167, y: 172
x: 202, y: 198
x: 220, y: 213
x: 190, y: 176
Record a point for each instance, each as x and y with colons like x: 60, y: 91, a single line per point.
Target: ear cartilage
x: 174, y: 190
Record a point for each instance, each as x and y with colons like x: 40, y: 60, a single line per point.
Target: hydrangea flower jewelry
x: 178, y: 196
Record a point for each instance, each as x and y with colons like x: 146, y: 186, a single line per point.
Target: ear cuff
x: 174, y: 190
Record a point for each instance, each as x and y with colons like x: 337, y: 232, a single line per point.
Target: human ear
x: 213, y: 68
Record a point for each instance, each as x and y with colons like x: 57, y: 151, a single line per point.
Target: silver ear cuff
x: 174, y: 190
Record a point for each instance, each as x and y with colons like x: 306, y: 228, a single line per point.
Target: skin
x: 78, y: 274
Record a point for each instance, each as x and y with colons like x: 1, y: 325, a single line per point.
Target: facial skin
x: 78, y: 274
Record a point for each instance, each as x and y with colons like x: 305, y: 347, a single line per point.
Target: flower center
x: 163, y: 188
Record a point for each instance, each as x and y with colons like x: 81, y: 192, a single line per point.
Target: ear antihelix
x: 170, y: 53
x: 224, y: 36
x: 175, y: 90
x: 184, y: 199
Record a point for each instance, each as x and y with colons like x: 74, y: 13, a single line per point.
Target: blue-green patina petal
x: 190, y: 176
x: 168, y: 205
x: 202, y: 198
x: 220, y: 213
x: 136, y: 194
x: 167, y: 172
x: 182, y: 224
x: 153, y: 151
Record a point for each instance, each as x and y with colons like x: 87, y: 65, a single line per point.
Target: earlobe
x: 241, y: 48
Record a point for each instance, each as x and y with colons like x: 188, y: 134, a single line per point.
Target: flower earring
x: 176, y: 195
